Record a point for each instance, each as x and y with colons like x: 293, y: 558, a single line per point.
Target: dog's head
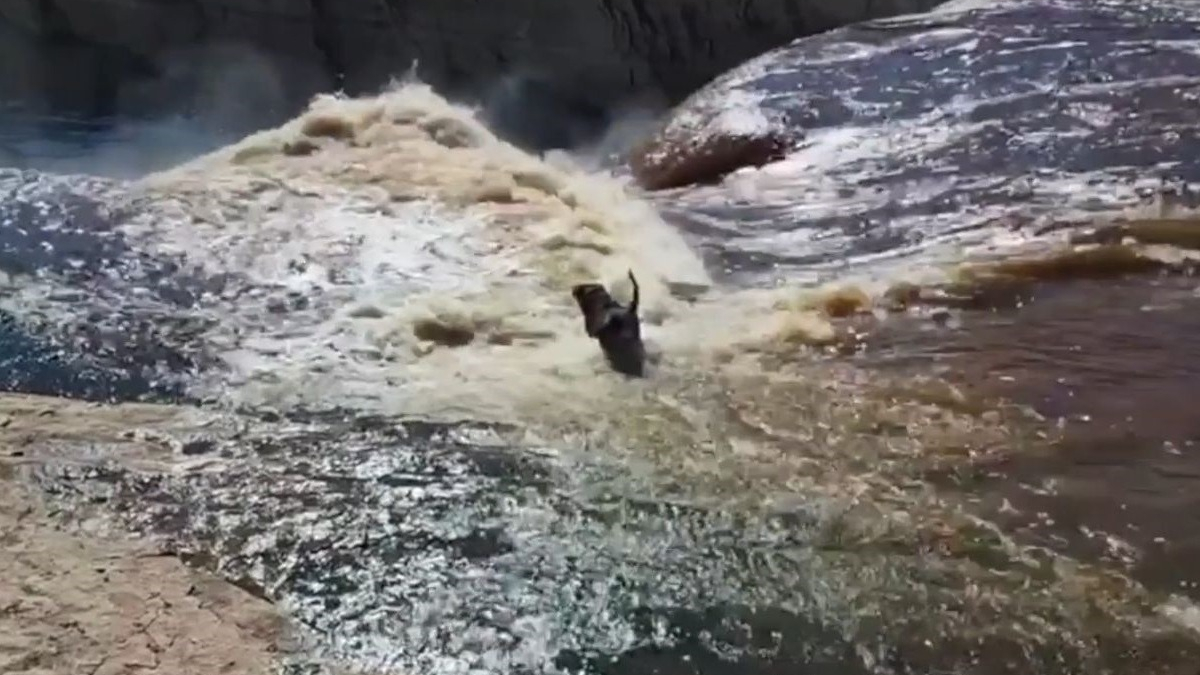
x: 593, y: 301
x: 586, y: 294
x: 617, y: 328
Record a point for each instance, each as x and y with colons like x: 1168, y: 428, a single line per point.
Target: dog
x: 615, y: 326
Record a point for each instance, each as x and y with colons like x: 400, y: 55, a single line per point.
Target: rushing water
x: 931, y: 137
x: 399, y: 434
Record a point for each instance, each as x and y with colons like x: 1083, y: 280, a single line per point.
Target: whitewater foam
x: 392, y: 255
x: 436, y: 260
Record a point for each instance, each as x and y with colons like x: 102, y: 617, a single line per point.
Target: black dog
x: 617, y: 327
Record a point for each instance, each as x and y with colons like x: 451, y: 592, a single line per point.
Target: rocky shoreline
x: 771, y: 503
x: 89, y: 600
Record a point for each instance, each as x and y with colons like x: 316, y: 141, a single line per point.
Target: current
x: 919, y: 396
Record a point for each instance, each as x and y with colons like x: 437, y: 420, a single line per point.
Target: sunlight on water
x: 410, y: 444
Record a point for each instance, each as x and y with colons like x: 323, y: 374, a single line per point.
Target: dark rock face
x: 920, y: 128
x: 264, y: 56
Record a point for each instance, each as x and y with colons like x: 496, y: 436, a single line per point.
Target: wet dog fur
x: 617, y: 327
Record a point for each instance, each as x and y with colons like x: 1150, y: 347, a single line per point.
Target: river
x: 891, y: 426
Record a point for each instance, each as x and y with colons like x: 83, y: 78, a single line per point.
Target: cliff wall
x: 97, y: 56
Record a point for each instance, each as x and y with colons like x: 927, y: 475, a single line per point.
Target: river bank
x: 88, y: 599
x: 914, y: 403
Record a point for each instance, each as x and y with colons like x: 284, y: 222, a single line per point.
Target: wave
x: 390, y: 256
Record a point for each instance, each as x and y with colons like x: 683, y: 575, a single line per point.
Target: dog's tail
x: 633, y: 303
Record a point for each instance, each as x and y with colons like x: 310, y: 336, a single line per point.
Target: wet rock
x: 400, y: 543
x: 366, y: 311
x: 688, y: 157
x: 337, y: 128
x: 447, y: 333
x: 198, y: 446
x: 300, y: 147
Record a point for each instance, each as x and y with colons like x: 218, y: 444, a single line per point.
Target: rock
x: 276, y: 305
x: 443, y: 332
x: 152, y: 615
x: 198, y: 446
x: 366, y: 311
x: 300, y: 147
x: 914, y: 131
x: 683, y: 158
x: 257, y: 58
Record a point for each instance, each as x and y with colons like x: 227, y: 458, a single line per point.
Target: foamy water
x: 389, y: 254
x: 367, y: 240
x: 398, y: 211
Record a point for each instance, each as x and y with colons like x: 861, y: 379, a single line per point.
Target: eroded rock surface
x: 92, y: 602
x: 683, y: 157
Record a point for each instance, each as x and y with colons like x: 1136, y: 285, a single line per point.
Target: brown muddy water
x: 1110, y: 362
x: 771, y: 477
